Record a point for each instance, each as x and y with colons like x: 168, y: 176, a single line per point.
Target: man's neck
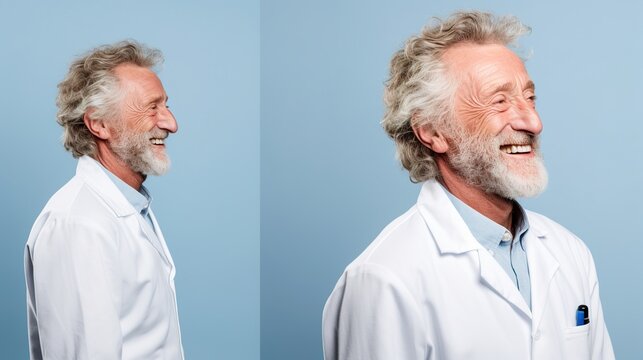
x: 494, y: 207
x: 116, y: 166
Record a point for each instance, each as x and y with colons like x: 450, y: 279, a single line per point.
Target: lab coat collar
x: 452, y: 236
x: 98, y: 180
x: 451, y: 233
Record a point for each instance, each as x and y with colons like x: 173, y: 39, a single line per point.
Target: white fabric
x: 100, y: 282
x: 426, y: 289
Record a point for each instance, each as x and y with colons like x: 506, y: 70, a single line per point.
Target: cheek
x: 481, y: 120
x: 142, y: 123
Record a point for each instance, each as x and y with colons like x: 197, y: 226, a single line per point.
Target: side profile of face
x: 493, y: 140
x: 145, y: 121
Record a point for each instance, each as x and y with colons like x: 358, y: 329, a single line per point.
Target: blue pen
x: 582, y: 315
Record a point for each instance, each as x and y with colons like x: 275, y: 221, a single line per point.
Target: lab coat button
x: 537, y: 335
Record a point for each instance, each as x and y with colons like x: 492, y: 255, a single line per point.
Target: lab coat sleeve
x: 601, y: 344
x: 371, y: 315
x: 73, y: 265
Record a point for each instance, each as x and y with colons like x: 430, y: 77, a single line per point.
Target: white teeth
x: 516, y: 149
x: 157, y: 141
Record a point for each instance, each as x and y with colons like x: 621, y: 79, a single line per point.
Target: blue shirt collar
x: 489, y: 233
x: 140, y: 200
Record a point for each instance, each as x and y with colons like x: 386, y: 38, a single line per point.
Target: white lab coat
x: 100, y: 280
x: 426, y: 289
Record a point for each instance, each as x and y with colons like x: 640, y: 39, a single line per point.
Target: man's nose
x: 167, y: 121
x: 527, y: 119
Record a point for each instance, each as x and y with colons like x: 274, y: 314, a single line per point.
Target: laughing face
x: 493, y: 142
x: 145, y: 121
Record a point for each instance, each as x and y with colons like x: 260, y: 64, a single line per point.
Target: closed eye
x: 499, y: 101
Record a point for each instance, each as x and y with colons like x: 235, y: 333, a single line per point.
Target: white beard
x: 137, y: 152
x: 481, y: 163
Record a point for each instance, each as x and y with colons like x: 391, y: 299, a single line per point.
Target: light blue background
x: 330, y: 182
x: 208, y: 205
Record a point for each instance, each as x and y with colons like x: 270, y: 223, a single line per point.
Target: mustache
x: 157, y: 134
x: 519, y: 138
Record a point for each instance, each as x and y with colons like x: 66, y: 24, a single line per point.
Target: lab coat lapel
x: 543, y: 266
x: 495, y: 277
x: 453, y: 236
x: 153, y: 239
x: 160, y: 240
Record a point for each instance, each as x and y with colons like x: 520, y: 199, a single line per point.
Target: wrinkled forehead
x: 139, y: 81
x: 131, y: 75
x: 484, y: 63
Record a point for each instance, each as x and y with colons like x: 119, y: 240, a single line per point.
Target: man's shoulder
x: 73, y: 197
x: 75, y: 207
x: 75, y: 201
x: 397, y: 244
x: 65, y: 193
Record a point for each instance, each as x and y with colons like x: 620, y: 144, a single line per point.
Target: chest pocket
x: 577, y: 343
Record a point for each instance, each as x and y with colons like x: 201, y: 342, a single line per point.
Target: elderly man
x: 467, y: 273
x: 100, y: 278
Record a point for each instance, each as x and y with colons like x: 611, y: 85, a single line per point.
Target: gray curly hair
x: 92, y: 84
x: 419, y: 90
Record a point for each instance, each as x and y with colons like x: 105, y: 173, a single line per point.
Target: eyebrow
x: 509, y: 86
x: 158, y: 98
x: 504, y: 87
x: 530, y: 86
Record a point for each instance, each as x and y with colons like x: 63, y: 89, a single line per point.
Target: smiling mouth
x: 516, y: 149
x: 157, y: 141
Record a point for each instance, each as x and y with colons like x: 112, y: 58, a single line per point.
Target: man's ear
x: 431, y: 138
x: 96, y: 126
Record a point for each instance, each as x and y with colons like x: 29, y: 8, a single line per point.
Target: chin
x: 159, y: 168
x: 519, y: 184
x: 153, y: 164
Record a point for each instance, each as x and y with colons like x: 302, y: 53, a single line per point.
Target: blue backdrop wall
x: 330, y: 183
x: 329, y: 180
x: 208, y: 205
